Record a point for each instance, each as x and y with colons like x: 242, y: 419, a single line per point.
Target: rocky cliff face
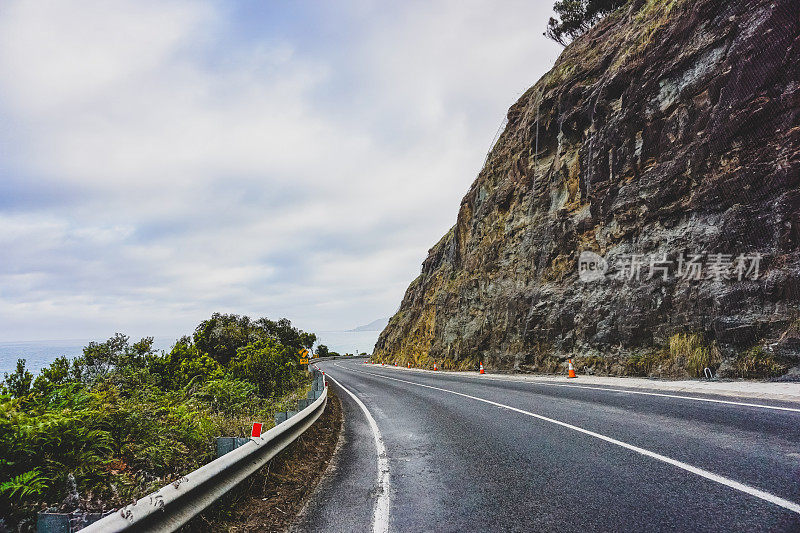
x: 666, y: 141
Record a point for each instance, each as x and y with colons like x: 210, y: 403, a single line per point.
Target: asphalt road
x: 427, y: 452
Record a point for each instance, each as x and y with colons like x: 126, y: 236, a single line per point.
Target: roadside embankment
x: 271, y: 499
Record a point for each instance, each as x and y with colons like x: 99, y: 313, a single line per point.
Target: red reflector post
x: 256, y: 429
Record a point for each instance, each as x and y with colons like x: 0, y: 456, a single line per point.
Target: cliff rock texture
x: 667, y: 141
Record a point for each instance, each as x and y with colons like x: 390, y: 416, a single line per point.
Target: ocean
x: 39, y: 354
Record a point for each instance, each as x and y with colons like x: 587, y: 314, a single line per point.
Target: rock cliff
x: 666, y: 141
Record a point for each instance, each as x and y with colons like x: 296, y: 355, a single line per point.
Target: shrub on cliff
x: 576, y: 17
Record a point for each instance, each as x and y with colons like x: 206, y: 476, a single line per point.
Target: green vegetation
x: 123, y: 420
x: 323, y: 351
x: 685, y: 354
x: 644, y: 364
x: 757, y: 363
x: 687, y: 350
x: 649, y: 20
x: 576, y: 17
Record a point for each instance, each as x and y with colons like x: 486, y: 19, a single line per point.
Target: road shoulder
x: 777, y: 391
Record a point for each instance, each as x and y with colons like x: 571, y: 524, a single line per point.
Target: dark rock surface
x: 672, y: 127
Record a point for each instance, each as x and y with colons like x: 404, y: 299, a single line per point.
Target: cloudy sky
x: 163, y: 160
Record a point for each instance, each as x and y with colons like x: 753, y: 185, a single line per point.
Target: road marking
x: 763, y: 495
x: 628, y: 391
x: 380, y: 517
x: 679, y: 396
x: 663, y: 395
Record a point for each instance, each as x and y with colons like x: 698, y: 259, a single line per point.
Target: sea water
x: 39, y: 354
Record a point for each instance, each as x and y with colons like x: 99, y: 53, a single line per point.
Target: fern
x: 25, y: 484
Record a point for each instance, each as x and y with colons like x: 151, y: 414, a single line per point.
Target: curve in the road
x: 380, y: 518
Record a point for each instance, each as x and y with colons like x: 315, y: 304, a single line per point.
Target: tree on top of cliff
x: 576, y: 17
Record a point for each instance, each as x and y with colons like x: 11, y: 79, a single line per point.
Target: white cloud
x: 203, y: 169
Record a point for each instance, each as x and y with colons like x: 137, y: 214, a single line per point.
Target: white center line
x: 763, y: 495
x: 380, y: 518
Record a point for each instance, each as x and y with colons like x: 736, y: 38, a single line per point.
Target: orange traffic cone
x: 434, y: 366
x: 571, y: 370
x: 482, y: 372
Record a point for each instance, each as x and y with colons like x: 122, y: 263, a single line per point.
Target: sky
x: 164, y: 160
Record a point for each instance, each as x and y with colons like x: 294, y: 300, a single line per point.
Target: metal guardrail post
x: 228, y: 444
x: 53, y: 523
x: 66, y: 522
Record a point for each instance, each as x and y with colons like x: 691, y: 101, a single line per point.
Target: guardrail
x: 172, y: 506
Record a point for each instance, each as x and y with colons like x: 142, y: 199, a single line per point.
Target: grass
x: 685, y: 354
x: 687, y: 350
x: 425, y: 361
x: 645, y: 364
x: 757, y: 363
x: 658, y: 12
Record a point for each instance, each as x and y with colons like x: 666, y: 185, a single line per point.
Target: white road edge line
x: 380, y: 518
x: 763, y: 495
x: 629, y: 391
